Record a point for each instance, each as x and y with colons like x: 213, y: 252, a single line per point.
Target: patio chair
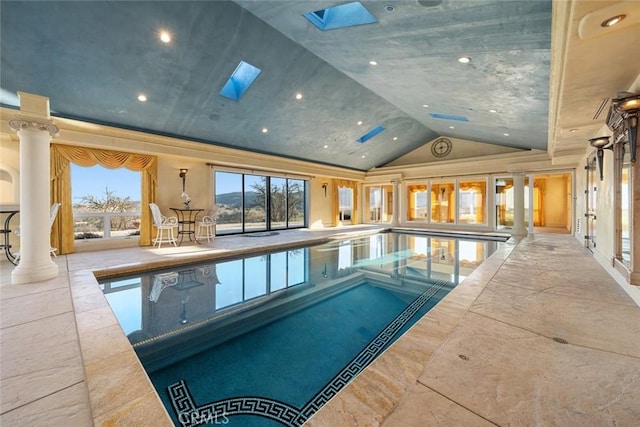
x: 164, y: 225
x: 206, y: 226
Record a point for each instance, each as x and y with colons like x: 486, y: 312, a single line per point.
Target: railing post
x: 106, y: 224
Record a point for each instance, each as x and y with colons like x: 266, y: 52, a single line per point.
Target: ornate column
x: 518, y: 229
x: 35, y: 130
x: 396, y: 203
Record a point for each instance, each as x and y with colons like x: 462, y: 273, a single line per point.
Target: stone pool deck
x: 539, y: 334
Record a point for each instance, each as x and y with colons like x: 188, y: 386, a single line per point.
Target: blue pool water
x: 266, y: 340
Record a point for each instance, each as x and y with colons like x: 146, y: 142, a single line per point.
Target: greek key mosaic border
x: 190, y: 415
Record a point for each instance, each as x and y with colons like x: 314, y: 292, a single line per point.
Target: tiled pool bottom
x: 283, y: 372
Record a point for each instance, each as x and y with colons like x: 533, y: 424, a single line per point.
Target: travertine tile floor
x: 485, y: 355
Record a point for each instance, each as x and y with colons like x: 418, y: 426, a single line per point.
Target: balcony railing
x: 106, y: 225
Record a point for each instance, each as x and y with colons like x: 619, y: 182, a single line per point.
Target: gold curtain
x: 412, y: 189
x: 538, y: 204
x: 481, y: 188
x: 437, y: 202
x: 61, y: 157
x: 335, y: 211
x: 451, y: 212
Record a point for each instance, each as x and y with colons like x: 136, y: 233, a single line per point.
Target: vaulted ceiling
x: 93, y: 60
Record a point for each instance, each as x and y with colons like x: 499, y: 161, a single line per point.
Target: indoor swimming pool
x: 266, y: 340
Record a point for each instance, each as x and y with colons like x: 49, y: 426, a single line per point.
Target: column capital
x: 19, y: 123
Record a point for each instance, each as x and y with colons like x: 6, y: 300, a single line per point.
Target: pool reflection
x: 162, y: 303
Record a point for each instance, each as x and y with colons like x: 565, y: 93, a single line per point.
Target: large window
x: 106, y: 202
x: 249, y: 203
x: 626, y: 197
x: 417, y: 199
x: 379, y: 202
x: 345, y: 198
x: 443, y: 202
x: 472, y: 202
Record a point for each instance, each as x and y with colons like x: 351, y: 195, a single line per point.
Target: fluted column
x: 395, y: 221
x: 35, y: 136
x: 518, y: 228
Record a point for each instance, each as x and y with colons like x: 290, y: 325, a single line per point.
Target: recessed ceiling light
x: 373, y: 62
x: 142, y: 97
x: 425, y: 105
x: 265, y: 130
x: 613, y: 20
x: 464, y: 59
x: 493, y: 111
x: 364, y: 157
x: 505, y: 134
x: 165, y: 36
x: 573, y: 130
x: 359, y: 122
x: 298, y: 95
x: 326, y: 146
x: 389, y: 8
x: 451, y: 127
x: 395, y: 138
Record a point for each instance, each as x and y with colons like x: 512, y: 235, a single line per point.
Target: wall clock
x: 441, y: 147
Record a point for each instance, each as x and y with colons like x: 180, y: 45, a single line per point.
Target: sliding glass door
x: 249, y: 203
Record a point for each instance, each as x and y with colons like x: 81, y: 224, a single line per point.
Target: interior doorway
x: 548, y: 203
x: 552, y: 202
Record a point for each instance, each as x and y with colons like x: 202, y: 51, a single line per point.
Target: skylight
x: 240, y: 80
x: 342, y: 16
x: 373, y: 132
x: 449, y: 117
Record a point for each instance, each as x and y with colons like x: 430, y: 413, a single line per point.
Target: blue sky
x: 93, y: 180
x: 125, y: 183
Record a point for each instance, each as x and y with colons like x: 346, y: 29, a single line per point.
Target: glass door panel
x: 417, y: 199
x: 504, y: 203
x: 255, y: 203
x: 374, y: 204
x: 278, y: 203
x: 229, y: 200
x: 387, y: 205
x: 443, y: 202
x: 295, y: 203
x: 345, y: 197
x: 472, y: 202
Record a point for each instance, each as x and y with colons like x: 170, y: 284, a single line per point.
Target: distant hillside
x: 235, y: 199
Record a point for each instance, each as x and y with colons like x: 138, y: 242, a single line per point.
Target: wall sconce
x: 324, y: 186
x: 629, y: 107
x: 601, y: 143
x: 183, y: 175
